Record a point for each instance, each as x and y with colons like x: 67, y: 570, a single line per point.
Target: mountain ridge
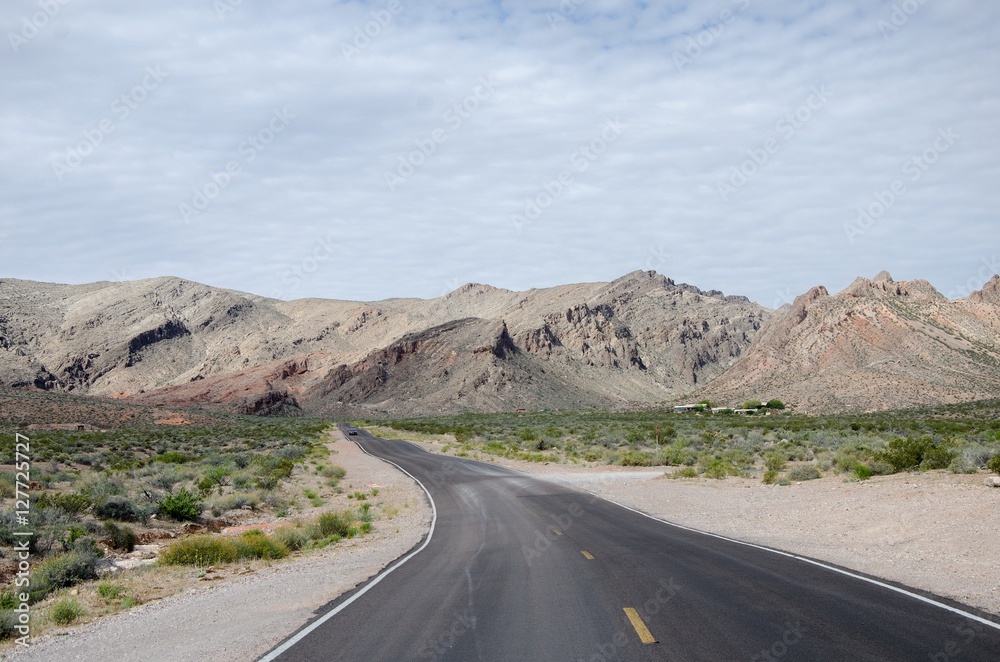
x: 640, y: 340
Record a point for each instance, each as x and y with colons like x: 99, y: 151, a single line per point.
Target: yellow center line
x: 557, y: 532
x: 587, y: 555
x: 640, y: 627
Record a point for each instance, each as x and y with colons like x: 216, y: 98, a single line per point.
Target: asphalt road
x: 518, y: 568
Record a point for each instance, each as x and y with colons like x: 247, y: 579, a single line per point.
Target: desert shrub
x: 173, y: 457
x: 771, y: 476
x: 200, y: 551
x: 593, y: 456
x: 165, y: 477
x: 293, y: 538
x: 862, y: 471
x: 74, y: 502
x: 912, y: 452
x: 257, y: 545
x: 775, y: 461
x: 334, y: 524
x: 66, y: 611
x: 8, y: 624
x: 117, y: 508
x: 121, y: 538
x: 635, y: 459
x: 181, y: 505
x: 686, y: 472
x: 333, y: 471
x: 678, y: 453
x: 527, y: 434
x: 234, y: 501
x: 961, y: 465
x: 805, y: 472
x: 65, y: 570
x: 110, y: 591
x: 718, y: 468
x: 994, y: 464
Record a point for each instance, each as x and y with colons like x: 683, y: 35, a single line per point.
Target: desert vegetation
x: 778, y: 448
x: 97, y: 494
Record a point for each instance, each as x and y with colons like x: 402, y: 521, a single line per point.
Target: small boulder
x: 993, y: 481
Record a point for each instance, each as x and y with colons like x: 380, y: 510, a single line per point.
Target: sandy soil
x: 243, y: 617
x: 934, y: 531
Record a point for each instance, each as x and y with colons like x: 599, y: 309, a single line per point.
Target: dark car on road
x: 352, y: 431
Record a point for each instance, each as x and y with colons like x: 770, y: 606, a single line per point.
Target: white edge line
x: 897, y: 589
x: 303, y: 633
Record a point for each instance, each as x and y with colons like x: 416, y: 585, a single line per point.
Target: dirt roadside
x: 934, y: 531
x: 243, y: 617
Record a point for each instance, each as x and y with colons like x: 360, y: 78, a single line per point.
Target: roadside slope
x: 243, y: 618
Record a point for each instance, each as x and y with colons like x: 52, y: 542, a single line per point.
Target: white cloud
x: 653, y: 192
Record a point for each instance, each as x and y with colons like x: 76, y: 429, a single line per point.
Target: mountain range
x: 642, y: 340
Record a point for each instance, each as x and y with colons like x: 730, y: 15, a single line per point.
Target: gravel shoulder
x: 934, y: 531
x: 245, y: 616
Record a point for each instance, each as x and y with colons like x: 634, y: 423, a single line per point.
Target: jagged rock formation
x: 877, y: 344
x: 642, y: 339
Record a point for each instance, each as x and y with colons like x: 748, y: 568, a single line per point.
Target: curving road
x: 518, y: 568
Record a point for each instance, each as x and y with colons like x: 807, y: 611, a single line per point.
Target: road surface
x: 518, y: 568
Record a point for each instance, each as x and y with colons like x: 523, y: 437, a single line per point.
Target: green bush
x: 635, y: 459
x: 334, y: 524
x: 771, y: 476
x: 110, y: 591
x: 121, y: 538
x: 686, y: 472
x: 718, y: 468
x: 805, y: 472
x: 333, y: 471
x: 913, y: 452
x: 255, y: 544
x: 862, y: 471
x: 117, y: 508
x: 293, y: 538
x: 8, y: 623
x: 775, y: 461
x: 66, y: 611
x: 74, y: 502
x: 182, y: 505
x: 200, y: 551
x: 994, y: 464
x: 65, y: 570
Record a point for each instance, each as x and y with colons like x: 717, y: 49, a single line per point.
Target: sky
x: 369, y: 150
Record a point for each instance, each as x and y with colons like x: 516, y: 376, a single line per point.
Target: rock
x: 993, y: 481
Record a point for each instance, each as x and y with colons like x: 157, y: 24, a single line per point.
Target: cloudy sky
x: 366, y: 150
